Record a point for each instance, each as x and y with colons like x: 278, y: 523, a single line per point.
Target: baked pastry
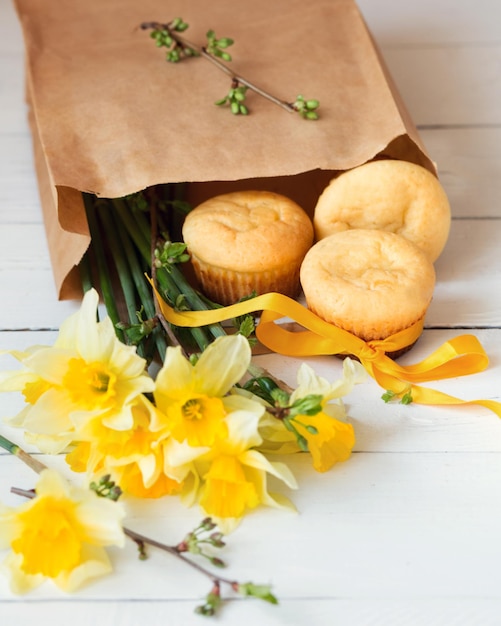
x: 247, y: 241
x: 397, y: 196
x: 372, y: 283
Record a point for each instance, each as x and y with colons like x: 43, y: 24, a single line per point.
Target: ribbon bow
x: 457, y: 357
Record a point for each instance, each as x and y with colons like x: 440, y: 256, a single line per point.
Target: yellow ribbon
x: 457, y: 357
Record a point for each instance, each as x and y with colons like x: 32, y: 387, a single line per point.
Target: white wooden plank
x: 10, y: 29
x: 33, y: 300
x: 469, y: 162
x: 19, y: 198
x: 468, y: 273
x: 342, y: 540
x: 360, y: 611
x: 448, y: 85
x: 13, y: 107
x: 30, y: 252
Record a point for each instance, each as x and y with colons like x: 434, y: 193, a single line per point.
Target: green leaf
x: 247, y: 326
x: 312, y: 104
x: 225, y: 42
x: 263, y: 592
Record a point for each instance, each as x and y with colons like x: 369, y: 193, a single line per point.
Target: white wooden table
x: 408, y: 530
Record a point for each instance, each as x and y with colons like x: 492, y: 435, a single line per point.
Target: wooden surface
x: 407, y: 531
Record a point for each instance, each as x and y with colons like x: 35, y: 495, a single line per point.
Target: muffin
x: 396, y: 196
x: 372, y: 283
x: 247, y: 241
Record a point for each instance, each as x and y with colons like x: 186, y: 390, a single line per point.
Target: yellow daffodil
x: 327, y: 436
x: 60, y: 534
x: 192, y: 397
x: 329, y: 439
x: 310, y: 383
x: 87, y: 374
x: 234, y: 474
x: 134, y: 458
x: 131, y: 479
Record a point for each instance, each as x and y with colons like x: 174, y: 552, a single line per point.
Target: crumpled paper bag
x: 110, y: 116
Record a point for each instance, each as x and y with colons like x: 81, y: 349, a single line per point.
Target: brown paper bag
x: 110, y: 116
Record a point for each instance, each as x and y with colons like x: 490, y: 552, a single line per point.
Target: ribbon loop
x: 457, y: 357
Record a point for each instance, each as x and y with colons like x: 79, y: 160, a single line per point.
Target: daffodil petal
x: 242, y: 427
x: 93, y: 340
x: 102, y: 520
x: 179, y: 453
x: 7, y: 525
x: 253, y: 458
x: 16, y: 380
x: 174, y: 376
x: 19, y: 582
x: 353, y: 374
x: 279, y: 501
x: 50, y: 414
x: 275, y: 500
x: 222, y: 364
x: 49, y: 444
x: 70, y: 326
x: 52, y: 483
x: 227, y: 525
x: 191, y: 485
x: 95, y: 563
x: 50, y: 364
x: 149, y: 468
x: 309, y: 383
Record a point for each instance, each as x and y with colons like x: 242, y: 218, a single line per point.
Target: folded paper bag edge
x: 63, y: 207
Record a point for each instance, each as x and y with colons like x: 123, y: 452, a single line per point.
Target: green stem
x: 201, y: 51
x: 140, y: 218
x: 104, y: 275
x: 141, y: 539
x: 14, y: 449
x: 141, y: 285
x: 121, y: 263
x: 173, y: 282
x: 130, y: 221
x: 85, y: 273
